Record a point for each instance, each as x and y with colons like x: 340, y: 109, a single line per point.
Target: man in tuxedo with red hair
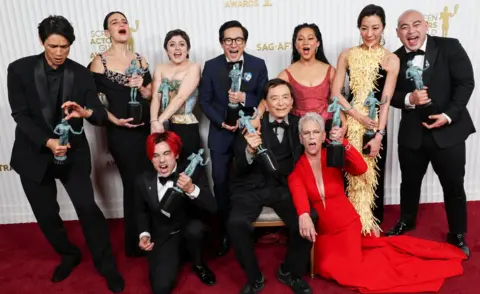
x: 163, y: 234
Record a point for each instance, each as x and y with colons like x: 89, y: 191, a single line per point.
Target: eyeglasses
x: 315, y: 133
x: 229, y: 41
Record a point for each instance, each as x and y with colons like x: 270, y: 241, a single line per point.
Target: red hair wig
x: 172, y: 139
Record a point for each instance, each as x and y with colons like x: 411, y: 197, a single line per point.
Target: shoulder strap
x: 104, y: 61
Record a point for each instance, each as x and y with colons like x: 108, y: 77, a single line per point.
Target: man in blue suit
x: 215, y: 95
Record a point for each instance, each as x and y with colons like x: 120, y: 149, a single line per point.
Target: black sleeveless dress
x: 126, y: 145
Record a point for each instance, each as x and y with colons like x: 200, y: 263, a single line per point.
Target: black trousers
x: 246, y: 207
x: 43, y: 201
x: 449, y: 165
x: 220, y: 175
x: 165, y: 259
x: 127, y: 147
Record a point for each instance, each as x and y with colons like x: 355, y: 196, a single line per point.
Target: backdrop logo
x: 100, y: 43
x: 274, y: 46
x: 247, y: 3
x: 5, y: 168
x: 439, y: 23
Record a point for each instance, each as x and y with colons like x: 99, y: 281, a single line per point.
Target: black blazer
x: 32, y: 111
x: 252, y: 176
x: 213, y: 97
x: 148, y: 215
x: 450, y: 84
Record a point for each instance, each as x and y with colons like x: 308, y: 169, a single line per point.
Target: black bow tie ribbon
x: 172, y: 177
x: 231, y: 64
x: 412, y: 54
x: 281, y: 124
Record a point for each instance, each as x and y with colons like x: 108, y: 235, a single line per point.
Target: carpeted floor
x: 27, y: 261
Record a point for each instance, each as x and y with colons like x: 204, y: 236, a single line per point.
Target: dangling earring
x: 382, y: 40
x: 316, y: 49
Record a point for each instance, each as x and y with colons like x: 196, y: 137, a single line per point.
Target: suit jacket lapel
x: 151, y: 186
x: 430, y: 56
x: 67, y: 87
x: 224, y: 81
x: 247, y: 67
x: 41, y: 85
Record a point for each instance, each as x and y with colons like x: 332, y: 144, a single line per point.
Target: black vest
x: 283, y: 154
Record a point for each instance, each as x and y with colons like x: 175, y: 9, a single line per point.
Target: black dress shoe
x: 298, y: 285
x: 205, y: 274
x: 224, y: 246
x: 63, y: 270
x: 399, y: 229
x: 115, y: 282
x: 459, y: 241
x: 253, y: 288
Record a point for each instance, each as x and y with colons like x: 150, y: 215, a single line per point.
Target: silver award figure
x: 335, y: 150
x: 174, y: 197
x: 415, y: 74
x: 135, y: 110
x: 232, y: 111
x: 371, y: 102
x: 264, y: 156
x: 63, y: 130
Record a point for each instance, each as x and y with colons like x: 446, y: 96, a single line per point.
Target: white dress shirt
x: 419, y: 60
x: 161, y: 189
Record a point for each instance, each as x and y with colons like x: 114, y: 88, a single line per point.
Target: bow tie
x: 275, y: 124
x: 231, y: 64
x: 172, y: 177
x: 412, y: 54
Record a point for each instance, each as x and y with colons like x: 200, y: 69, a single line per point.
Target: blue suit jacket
x: 214, y: 86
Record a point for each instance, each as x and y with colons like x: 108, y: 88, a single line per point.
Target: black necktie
x: 412, y: 54
x: 172, y: 177
x: 231, y: 64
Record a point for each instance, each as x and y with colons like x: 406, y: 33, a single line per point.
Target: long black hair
x: 320, y: 54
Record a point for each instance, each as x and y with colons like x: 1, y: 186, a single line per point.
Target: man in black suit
x: 164, y: 231
x: 39, y: 87
x: 214, y: 97
x: 435, y: 123
x: 252, y: 188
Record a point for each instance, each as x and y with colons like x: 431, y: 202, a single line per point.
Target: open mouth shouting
x: 177, y: 55
x: 234, y: 54
x: 413, y: 41
x: 306, y: 50
x: 163, y: 168
x: 122, y: 32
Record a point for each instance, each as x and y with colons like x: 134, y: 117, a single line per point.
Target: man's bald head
x: 412, y: 29
x: 407, y: 13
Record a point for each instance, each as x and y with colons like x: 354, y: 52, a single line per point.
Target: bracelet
x: 382, y: 132
x: 153, y: 120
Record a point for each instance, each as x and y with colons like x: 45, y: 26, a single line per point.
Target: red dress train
x: 367, y: 264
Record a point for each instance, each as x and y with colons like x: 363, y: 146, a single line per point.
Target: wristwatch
x: 382, y: 132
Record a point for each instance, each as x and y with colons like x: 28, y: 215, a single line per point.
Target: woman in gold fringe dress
x: 371, y: 68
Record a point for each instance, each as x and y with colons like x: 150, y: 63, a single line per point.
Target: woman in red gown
x: 366, y: 263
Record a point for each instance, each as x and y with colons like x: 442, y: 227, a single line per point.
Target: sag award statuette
x: 335, y: 150
x: 173, y: 197
x: 135, y: 109
x: 415, y: 74
x: 371, y: 102
x: 264, y: 156
x: 63, y: 130
x: 232, y: 110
